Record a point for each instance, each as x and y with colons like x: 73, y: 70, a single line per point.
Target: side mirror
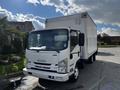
x: 81, y: 39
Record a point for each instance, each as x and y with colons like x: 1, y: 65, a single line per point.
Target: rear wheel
x: 94, y: 57
x: 90, y: 60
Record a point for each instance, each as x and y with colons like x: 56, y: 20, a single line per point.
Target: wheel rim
x: 76, y: 73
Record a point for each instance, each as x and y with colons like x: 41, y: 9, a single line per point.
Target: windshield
x: 48, y: 40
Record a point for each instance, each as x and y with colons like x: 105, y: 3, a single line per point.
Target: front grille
x: 43, y: 67
x: 43, y: 70
x: 42, y: 63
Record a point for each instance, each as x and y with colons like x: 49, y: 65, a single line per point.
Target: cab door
x: 74, y: 48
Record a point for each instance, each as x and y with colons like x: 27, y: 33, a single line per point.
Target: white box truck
x: 57, y: 52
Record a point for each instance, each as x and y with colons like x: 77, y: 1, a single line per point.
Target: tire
x: 75, y: 76
x: 90, y: 60
x: 94, y: 57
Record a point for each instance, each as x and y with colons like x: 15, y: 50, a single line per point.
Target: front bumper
x: 47, y: 75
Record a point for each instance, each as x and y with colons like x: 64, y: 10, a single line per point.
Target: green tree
x: 3, y: 36
x: 17, y: 38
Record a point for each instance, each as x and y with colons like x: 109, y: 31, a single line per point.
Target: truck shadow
x: 105, y: 54
x: 89, y: 76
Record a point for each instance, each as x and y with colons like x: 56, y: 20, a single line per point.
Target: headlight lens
x: 62, y: 66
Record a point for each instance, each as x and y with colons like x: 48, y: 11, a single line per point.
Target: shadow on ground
x: 88, y: 78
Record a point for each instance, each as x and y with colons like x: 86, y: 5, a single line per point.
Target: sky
x: 105, y: 13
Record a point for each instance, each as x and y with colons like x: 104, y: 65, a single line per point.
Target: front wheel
x: 75, y: 76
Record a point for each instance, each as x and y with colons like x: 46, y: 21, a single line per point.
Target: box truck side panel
x: 91, y: 35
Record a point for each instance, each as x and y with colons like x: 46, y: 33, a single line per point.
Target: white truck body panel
x: 84, y: 25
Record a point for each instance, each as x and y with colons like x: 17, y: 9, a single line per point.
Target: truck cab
x: 53, y: 54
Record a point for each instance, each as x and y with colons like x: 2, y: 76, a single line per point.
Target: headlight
x: 62, y: 66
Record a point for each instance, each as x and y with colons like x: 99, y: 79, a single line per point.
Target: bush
x: 6, y: 49
x: 21, y: 64
x: 17, y: 44
x: 12, y: 68
x: 2, y: 70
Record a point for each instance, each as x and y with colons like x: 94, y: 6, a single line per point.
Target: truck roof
x: 80, y: 15
x: 48, y: 29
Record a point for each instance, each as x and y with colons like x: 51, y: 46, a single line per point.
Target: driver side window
x: 74, y: 39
